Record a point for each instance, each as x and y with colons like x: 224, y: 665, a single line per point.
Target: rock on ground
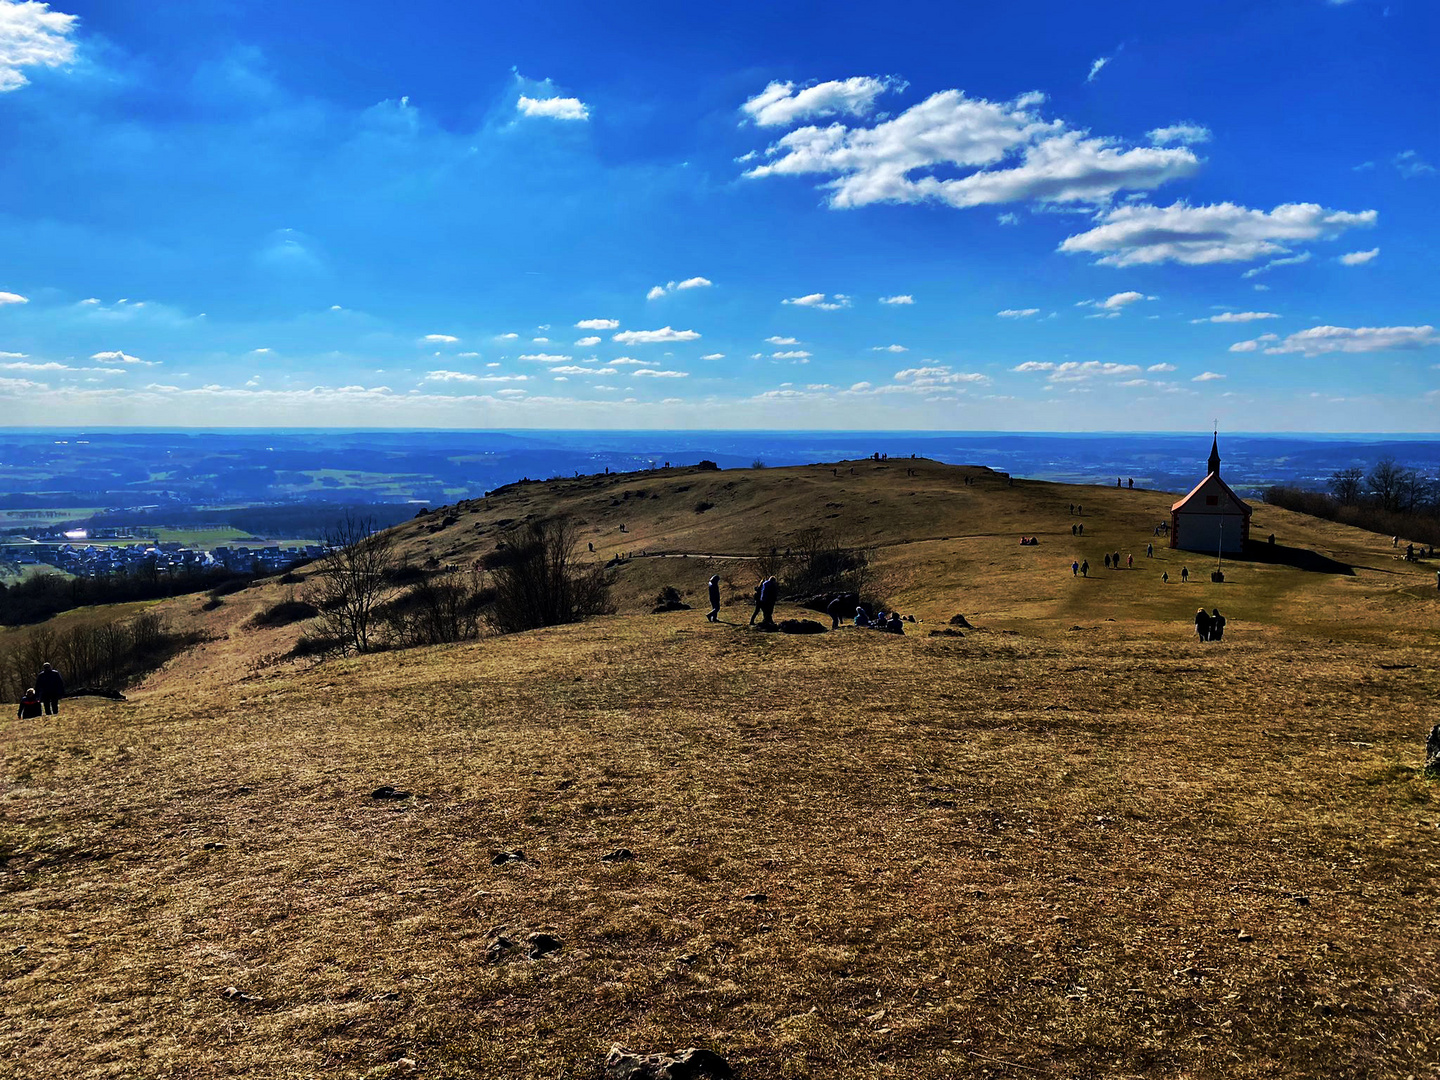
x: 692, y: 1064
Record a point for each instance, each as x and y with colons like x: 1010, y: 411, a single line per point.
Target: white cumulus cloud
x: 1359, y: 258
x: 651, y: 337
x: 1207, y: 376
x: 888, y: 348
x: 586, y: 342
x: 554, y: 108
x: 1161, y: 367
x: 1015, y: 154
x: 777, y: 340
x: 900, y: 299
x: 12, y: 298
x: 440, y: 339
x: 31, y: 35
x: 1139, y: 234
x: 657, y: 291
x: 597, y: 324
x: 820, y: 301
x: 790, y: 354
x: 714, y: 356
x: 781, y: 104
x: 117, y: 357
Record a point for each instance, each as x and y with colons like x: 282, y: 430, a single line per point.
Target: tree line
x: 1388, y: 498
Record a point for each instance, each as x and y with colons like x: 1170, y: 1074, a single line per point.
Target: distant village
x: 77, y: 556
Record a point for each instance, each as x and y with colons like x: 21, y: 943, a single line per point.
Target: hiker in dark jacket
x: 51, y: 688
x: 758, y: 608
x: 1202, y: 624
x: 714, y: 615
x: 835, y: 609
x: 29, y: 705
x: 769, y: 593
x: 1217, y: 625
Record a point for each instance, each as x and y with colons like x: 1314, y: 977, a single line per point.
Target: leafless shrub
x: 540, y: 582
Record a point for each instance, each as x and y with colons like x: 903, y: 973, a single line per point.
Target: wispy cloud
x: 1237, y: 317
x: 597, y: 324
x: 1327, y: 339
x: 1359, y: 258
x: 12, y: 298
x: 652, y: 337
x: 900, y: 299
x: 1097, y: 66
x: 820, y: 301
x: 1411, y: 165
x: 31, y: 35
x: 117, y: 357
x: 781, y: 104
x: 1018, y: 313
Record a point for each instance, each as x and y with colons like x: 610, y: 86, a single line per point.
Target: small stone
x: 389, y: 792
x: 623, y: 854
x: 503, y: 857
x: 214, y: 846
x: 755, y: 897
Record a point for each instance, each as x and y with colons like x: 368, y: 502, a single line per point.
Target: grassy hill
x: 1073, y: 842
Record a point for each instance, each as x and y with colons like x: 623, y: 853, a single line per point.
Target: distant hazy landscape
x: 257, y: 480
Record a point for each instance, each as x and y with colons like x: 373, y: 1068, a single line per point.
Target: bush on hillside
x: 438, y: 609
x: 542, y: 582
x: 287, y: 611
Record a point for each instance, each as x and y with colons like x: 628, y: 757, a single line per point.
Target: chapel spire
x: 1215, y: 454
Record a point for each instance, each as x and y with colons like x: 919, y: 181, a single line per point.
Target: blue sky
x: 1036, y: 216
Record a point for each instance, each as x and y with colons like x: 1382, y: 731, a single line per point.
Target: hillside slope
x: 1074, y: 841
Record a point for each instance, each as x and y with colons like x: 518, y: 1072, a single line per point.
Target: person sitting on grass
x: 895, y: 626
x: 861, y: 617
x: 29, y: 705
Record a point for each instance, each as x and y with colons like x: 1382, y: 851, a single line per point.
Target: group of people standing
x: 1209, y: 625
x: 44, y: 697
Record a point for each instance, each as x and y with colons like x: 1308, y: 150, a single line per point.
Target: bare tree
x: 1388, y: 482
x: 538, y: 581
x: 351, y: 580
x: 1347, y: 485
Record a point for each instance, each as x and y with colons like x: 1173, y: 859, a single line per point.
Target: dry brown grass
x: 1029, y: 851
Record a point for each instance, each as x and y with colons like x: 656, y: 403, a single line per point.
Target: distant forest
x: 1389, y: 498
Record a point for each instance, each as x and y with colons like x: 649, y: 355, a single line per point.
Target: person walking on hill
x: 1202, y: 624
x: 1184, y: 574
x: 1085, y: 568
x: 51, y: 688
x: 1129, y: 562
x: 1149, y: 551
x: 714, y: 615
x: 1107, y: 560
x: 1074, y: 569
x: 1217, y: 625
x: 29, y: 705
x: 757, y: 603
x: 1115, y: 560
x: 1165, y: 578
x: 833, y: 609
x: 769, y: 593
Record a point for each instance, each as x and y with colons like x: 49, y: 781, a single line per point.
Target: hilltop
x: 1073, y: 841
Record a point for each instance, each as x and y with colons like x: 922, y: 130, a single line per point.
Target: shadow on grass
x: 1300, y: 558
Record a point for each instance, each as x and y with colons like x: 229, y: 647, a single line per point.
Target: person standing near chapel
x: 714, y: 615
x: 51, y: 688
